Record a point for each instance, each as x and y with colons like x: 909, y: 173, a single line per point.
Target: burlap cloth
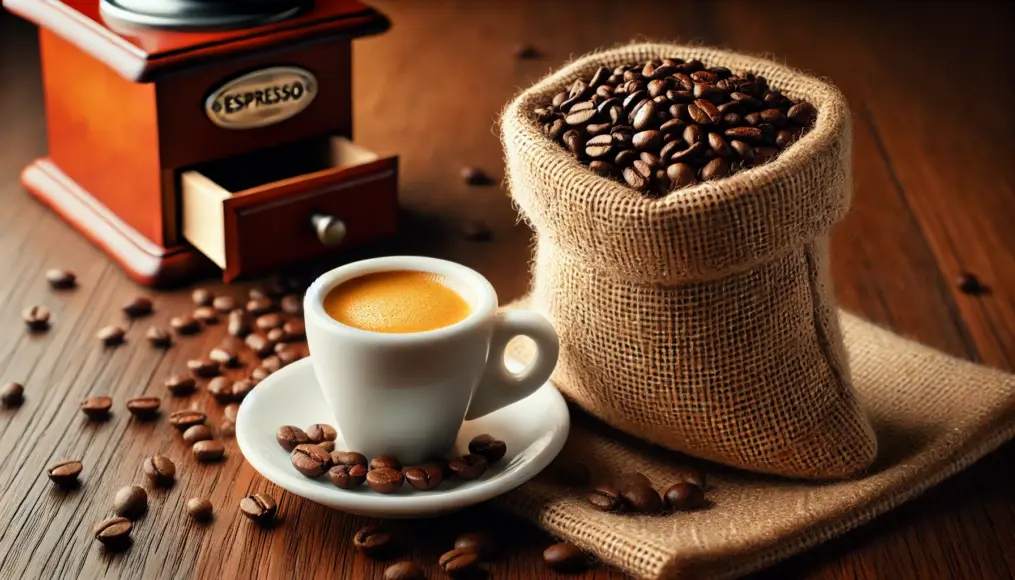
x: 933, y: 415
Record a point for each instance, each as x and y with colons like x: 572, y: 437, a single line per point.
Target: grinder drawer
x: 260, y: 211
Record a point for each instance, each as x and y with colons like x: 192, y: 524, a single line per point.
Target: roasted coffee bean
x: 224, y: 303
x: 478, y: 542
x: 113, y: 532
x: 595, y: 129
x: 275, y: 335
x: 290, y: 437
x: 459, y: 563
x: 202, y: 297
x: 144, y: 408
x: 292, y: 304
x: 773, y: 116
x: 328, y: 446
x: 186, y: 419
x: 160, y: 469
x: 384, y: 479
x: 469, y: 466
x: 635, y: 179
x: 744, y: 151
x: 269, y: 321
x: 491, y: 449
x: 763, y: 155
x: 197, y: 433
x: 580, y: 114
x: 574, y: 142
x: 96, y: 408
x: 158, y: 337
x: 599, y: 146
x: 208, y: 450
x: 260, y: 344
x: 404, y: 571
x: 130, y: 502
x: 625, y: 158
x: 227, y: 428
x: 647, y: 140
x: 259, y: 374
x: 603, y: 169
x: 385, y: 461
x: 720, y: 146
x: 138, y: 307
x: 36, y: 318
x: 565, y: 557
x: 111, y: 335
x: 181, y: 385
x: 65, y: 473
x: 259, y: 507
x: 260, y: 306
x: 641, y: 498
x: 239, y: 324
x: 969, y: 283
x: 346, y: 457
x: 803, y: 114
x: 645, y: 116
x: 571, y: 473
x: 684, y: 496
x: 221, y: 388
x: 203, y: 367
x: 61, y: 279
x: 693, y: 135
x: 184, y: 325
x: 12, y: 394
x: 555, y: 128
x: 704, y: 112
x: 319, y: 432
x: 294, y: 330
x: 206, y: 315
x: 691, y: 475
x: 374, y: 541
x: 347, y: 476
x: 607, y: 498
x: 310, y: 460
x: 680, y: 174
x: 224, y: 356
x: 785, y: 137
x: 242, y: 388
x: 715, y: 169
x: 632, y: 479
x: 271, y: 364
x: 231, y: 411
x: 424, y: 477
x: 689, y: 155
x: 200, y: 509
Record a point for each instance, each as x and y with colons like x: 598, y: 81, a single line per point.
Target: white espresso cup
x: 406, y: 395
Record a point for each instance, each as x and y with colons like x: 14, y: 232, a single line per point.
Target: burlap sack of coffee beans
x: 702, y: 321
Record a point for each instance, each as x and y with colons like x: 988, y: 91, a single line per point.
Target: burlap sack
x: 702, y: 321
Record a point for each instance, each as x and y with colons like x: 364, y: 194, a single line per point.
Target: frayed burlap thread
x: 702, y: 321
x: 934, y: 415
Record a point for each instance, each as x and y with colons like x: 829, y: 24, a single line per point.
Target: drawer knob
x: 330, y: 230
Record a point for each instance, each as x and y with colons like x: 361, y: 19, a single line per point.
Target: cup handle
x: 500, y: 387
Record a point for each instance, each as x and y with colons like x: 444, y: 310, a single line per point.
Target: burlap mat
x: 933, y: 415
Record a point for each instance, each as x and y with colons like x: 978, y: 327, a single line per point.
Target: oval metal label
x: 261, y: 98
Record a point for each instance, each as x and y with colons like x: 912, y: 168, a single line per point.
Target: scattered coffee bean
x: 257, y: 293
x: 224, y: 356
x: 186, y: 419
x: 347, y: 476
x: 138, y: 307
x: 292, y: 304
x: 384, y: 461
x: 130, y: 502
x: 475, y: 176
x: 200, y: 509
x: 527, y: 52
x: 310, y: 460
x: 224, y: 303
x: 160, y: 469
x: 289, y: 356
x: 260, y: 306
x: 260, y: 344
x: 65, y: 473
x: 424, y: 477
x: 269, y: 321
x: 221, y: 388
x: 459, y: 563
x: 158, y: 337
x: 209, y: 450
x: 444, y: 464
x: 259, y: 374
x: 144, y: 408
x: 565, y: 557
x: 685, y: 496
x: 242, y: 388
x: 491, y: 449
x: 96, y: 408
x: 468, y: 467
x: 196, y: 433
x: 259, y: 507
x: 294, y: 330
x: 231, y: 411
x: 641, y: 498
x: 239, y: 323
x: 290, y: 437
x: 385, y: 479
x: 328, y: 446
x: 36, y: 318
x: 227, y: 428
x: 271, y: 364
x: 607, y: 498
x: 12, y: 394
x: 111, y: 335
x: 202, y: 297
x: 275, y: 335
x: 113, y: 532
x: 206, y: 315
x: 374, y: 541
x: 632, y: 480
x: 691, y: 475
x: 477, y: 231
x: 184, y: 325
x: 319, y: 432
x: 478, y: 542
x: 345, y: 457
x: 803, y: 114
x: 203, y: 367
x: 181, y: 385
x: 572, y: 473
x: 61, y: 279
x: 969, y: 283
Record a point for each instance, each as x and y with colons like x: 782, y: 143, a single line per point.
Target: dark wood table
x: 930, y: 86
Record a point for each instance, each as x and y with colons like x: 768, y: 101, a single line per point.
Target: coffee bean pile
x: 634, y: 493
x: 669, y: 123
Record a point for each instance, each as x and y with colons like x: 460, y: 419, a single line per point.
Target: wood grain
x: 933, y: 197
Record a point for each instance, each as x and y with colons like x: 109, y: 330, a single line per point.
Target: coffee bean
x: 634, y: 179
x: 328, y: 446
x: 138, y: 307
x: 319, y: 432
x: 346, y: 457
x: 200, y: 509
x: 158, y: 337
x: 599, y: 146
x: 680, y: 174
x: 685, y: 496
x: 224, y: 303
x: 65, y: 473
x: 385, y: 461
x: 259, y: 507
x: 144, y: 408
x: 260, y: 344
x: 259, y: 374
x: 202, y: 297
x: 196, y: 433
x: 209, y: 450
x: 607, y: 498
x: 221, y: 389
x: 773, y: 116
x: 269, y: 321
x: 786, y: 137
x: 491, y: 449
x: 61, y: 279
x: 645, y: 117
x: 720, y: 146
x: 384, y: 479
x: 803, y: 114
x: 468, y: 467
x: 404, y: 570
x: 160, y: 469
x: 184, y: 325
x: 347, y: 476
x: 290, y: 437
x: 425, y: 477
x: 294, y: 330
x: 631, y: 480
x: 691, y: 475
x: 186, y: 419
x: 260, y: 306
x: 744, y: 151
x: 257, y: 293
x: 113, y: 532
x: 479, y: 543
x: 292, y: 304
x: 12, y: 394
x: 475, y: 176
x: 227, y: 428
x: 36, y: 318
x: 641, y: 498
x: 647, y: 140
x: 130, y: 502
x: 181, y: 385
x: 203, y: 367
x: 603, y: 169
x: 96, y: 408
x: 239, y: 324
x: 231, y: 411
x: 565, y: 557
x: 242, y: 388
x: 275, y: 335
x: 374, y: 541
x: 206, y: 315
x: 970, y: 284
x: 271, y: 364
x: 310, y: 460
x: 580, y: 114
x: 459, y: 563
x: 111, y: 335
x: 715, y: 169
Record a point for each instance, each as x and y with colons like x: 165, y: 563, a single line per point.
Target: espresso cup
x: 406, y: 395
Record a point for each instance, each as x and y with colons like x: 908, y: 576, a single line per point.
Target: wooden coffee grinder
x: 183, y: 131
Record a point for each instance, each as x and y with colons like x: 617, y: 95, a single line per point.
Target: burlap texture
x: 702, y: 321
x: 933, y: 415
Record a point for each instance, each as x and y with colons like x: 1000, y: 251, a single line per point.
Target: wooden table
x: 930, y: 90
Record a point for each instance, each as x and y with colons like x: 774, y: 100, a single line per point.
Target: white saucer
x: 534, y: 429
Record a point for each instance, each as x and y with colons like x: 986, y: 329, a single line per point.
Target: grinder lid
x: 198, y: 14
